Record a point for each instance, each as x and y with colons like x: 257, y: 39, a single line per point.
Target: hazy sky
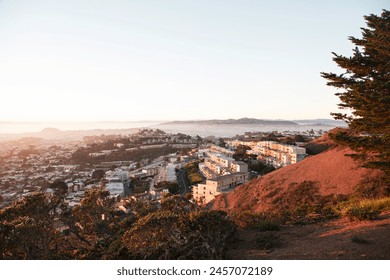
x: 172, y: 59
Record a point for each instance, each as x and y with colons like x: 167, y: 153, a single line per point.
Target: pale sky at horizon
x: 173, y: 59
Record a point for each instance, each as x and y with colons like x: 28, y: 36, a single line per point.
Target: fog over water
x: 203, y: 130
x: 232, y: 130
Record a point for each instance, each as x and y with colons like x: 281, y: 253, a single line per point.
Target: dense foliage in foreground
x: 174, y: 229
x: 40, y: 227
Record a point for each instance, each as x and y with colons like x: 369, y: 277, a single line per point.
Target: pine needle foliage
x: 364, y: 91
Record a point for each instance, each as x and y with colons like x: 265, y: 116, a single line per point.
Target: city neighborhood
x: 117, y: 164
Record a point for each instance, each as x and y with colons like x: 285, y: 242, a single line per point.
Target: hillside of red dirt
x: 328, y: 173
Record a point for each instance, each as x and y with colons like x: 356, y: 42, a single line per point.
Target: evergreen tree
x: 365, y: 92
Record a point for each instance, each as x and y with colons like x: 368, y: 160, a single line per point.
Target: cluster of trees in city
x: 31, y: 150
x: 41, y: 227
x: 260, y: 167
x: 139, y: 186
x: 91, y: 139
x: 142, y: 136
x: 81, y: 155
x: 118, y: 147
x: 240, y: 152
x: 193, y: 173
x: 172, y: 187
x: 289, y: 140
x: 253, y: 163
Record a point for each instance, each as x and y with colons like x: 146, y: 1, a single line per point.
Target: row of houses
x: 277, y: 154
x: 223, y: 173
x: 218, y: 164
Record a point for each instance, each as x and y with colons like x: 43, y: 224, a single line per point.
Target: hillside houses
x: 223, y: 173
x: 204, y: 193
x: 278, y: 154
x: 218, y: 162
x: 272, y: 152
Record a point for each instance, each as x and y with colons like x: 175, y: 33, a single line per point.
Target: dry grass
x: 364, y: 209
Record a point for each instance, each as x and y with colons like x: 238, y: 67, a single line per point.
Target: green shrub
x: 302, y: 203
x: 373, y: 188
x: 358, y: 213
x: 366, y: 209
x: 244, y: 219
x: 181, y: 235
x: 257, y: 221
x: 193, y: 175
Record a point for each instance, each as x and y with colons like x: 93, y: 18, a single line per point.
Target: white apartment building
x: 204, y: 193
x: 223, y: 173
x: 236, y: 143
x: 116, y: 189
x: 218, y: 163
x: 238, y: 166
x: 218, y: 149
x: 221, y: 159
x: 279, y: 154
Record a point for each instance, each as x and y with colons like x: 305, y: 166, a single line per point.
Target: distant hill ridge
x: 234, y: 121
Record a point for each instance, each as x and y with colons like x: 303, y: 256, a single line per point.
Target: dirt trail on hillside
x: 338, y: 239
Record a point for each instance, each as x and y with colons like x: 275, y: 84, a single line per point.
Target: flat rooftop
x: 224, y: 177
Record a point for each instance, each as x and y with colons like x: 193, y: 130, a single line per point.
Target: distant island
x: 233, y: 121
x: 320, y: 122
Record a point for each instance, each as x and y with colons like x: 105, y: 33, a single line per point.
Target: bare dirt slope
x: 337, y: 239
x: 328, y: 173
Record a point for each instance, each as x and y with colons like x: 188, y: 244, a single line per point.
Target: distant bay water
x: 97, y: 128
x: 229, y: 130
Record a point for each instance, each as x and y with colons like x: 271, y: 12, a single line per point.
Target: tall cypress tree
x: 364, y: 90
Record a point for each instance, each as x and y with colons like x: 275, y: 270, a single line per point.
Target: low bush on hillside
x: 257, y: 221
x: 377, y: 187
x: 302, y: 203
x: 311, y: 213
x: 362, y: 213
x: 365, y: 209
x: 315, y: 149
